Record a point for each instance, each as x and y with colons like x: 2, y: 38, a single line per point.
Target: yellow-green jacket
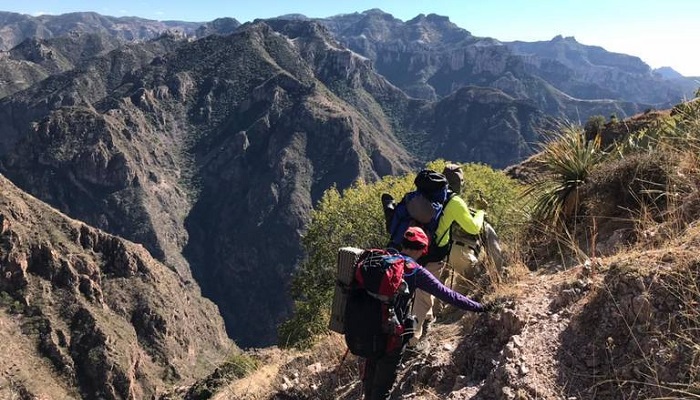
x: 455, y: 210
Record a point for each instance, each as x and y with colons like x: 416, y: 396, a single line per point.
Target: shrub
x: 504, y: 195
x: 594, y: 126
x: 235, y: 367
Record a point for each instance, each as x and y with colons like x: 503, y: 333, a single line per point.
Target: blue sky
x: 661, y: 33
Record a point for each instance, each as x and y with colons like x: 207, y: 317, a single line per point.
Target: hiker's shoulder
x: 411, y: 264
x: 454, y: 200
x: 455, y: 204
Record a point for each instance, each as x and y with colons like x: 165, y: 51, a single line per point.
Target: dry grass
x: 316, y: 373
x: 655, y: 352
x: 255, y: 386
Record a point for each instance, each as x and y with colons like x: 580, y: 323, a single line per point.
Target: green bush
x: 594, y: 126
x: 677, y: 133
x: 506, y: 211
x: 13, y: 306
x: 235, y: 367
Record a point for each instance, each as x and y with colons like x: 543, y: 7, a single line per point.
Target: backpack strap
x: 451, y: 195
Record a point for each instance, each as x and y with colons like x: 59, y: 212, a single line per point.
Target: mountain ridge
x: 97, y: 314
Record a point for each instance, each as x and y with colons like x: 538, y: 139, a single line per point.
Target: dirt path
x: 529, y: 332
x: 529, y: 363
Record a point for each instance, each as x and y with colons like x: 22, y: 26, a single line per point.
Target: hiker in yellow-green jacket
x: 455, y: 212
x: 466, y: 246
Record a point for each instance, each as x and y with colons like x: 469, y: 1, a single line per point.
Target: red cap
x: 416, y: 235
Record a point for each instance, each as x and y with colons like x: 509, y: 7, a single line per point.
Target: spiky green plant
x: 568, y: 158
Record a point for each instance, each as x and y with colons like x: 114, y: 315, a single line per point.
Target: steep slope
x: 267, y: 156
x: 615, y: 328
x: 39, y: 144
x: 610, y: 314
x: 234, y: 133
x: 88, y: 315
x: 482, y: 125
x: 35, y: 59
x: 211, y: 153
x: 231, y: 134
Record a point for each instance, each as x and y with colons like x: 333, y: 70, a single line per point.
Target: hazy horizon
x: 635, y: 27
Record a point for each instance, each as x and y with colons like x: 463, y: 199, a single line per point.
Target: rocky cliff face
x: 267, y: 157
x: 591, y: 72
x: 35, y: 59
x: 217, y: 150
x: 88, y: 315
x: 458, y: 131
x: 406, y: 53
x: 429, y: 57
x: 219, y: 26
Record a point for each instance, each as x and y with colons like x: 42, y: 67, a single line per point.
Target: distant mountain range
x: 209, y: 143
x: 18, y: 27
x: 429, y: 57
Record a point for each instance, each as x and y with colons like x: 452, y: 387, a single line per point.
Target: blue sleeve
x: 429, y: 283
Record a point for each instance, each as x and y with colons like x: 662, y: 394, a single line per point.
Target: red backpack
x: 377, y: 313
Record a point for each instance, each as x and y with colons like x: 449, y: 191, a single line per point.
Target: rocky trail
x: 516, y: 350
x: 511, y: 354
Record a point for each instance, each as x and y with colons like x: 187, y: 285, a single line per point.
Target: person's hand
x: 492, y: 307
x: 480, y: 203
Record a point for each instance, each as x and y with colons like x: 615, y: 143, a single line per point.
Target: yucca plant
x: 568, y: 158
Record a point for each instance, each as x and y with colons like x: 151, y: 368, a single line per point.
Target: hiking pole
x: 342, y: 360
x: 452, y: 273
x: 336, y: 373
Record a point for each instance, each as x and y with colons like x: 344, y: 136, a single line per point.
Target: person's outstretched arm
x: 429, y: 283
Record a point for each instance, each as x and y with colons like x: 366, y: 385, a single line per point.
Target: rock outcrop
x: 89, y: 315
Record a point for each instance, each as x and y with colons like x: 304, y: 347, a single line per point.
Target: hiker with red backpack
x: 378, y: 318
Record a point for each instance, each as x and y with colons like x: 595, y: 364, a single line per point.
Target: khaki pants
x: 463, y: 260
x: 423, y: 303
